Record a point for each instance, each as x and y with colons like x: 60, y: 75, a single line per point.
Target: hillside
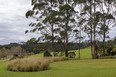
x: 84, y: 53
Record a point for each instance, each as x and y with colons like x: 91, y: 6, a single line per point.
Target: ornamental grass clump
x: 55, y: 59
x: 28, y: 65
x: 32, y: 64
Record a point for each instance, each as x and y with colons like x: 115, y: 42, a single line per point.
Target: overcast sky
x: 13, y: 22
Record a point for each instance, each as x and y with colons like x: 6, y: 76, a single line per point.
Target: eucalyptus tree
x: 86, y: 18
x: 89, y: 15
x: 107, y: 19
x: 79, y: 37
x: 52, y: 20
x: 44, y: 11
x: 67, y: 24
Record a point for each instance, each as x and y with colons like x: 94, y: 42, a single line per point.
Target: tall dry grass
x: 32, y: 64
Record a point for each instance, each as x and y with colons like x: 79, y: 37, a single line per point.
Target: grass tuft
x: 32, y: 64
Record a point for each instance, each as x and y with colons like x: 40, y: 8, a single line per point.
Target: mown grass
x: 36, y: 55
x: 71, y: 68
x: 84, y: 53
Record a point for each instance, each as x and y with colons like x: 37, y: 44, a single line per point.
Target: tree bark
x: 53, y: 41
x: 66, y: 45
x: 91, y: 28
x: 104, y: 44
x: 94, y: 24
x: 66, y: 35
x: 79, y: 42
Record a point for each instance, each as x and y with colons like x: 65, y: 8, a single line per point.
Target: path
x: 4, y: 60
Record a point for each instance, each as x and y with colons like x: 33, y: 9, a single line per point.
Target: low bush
x: 71, y: 54
x: 32, y: 64
x: 47, y: 54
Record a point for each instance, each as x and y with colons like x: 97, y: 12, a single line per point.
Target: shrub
x: 109, y: 51
x: 47, y: 54
x: 62, y: 53
x: 71, y: 54
x: 56, y: 53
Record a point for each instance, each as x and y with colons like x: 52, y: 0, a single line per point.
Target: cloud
x: 13, y: 22
x: 112, y: 32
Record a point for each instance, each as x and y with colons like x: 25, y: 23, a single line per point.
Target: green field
x: 84, y: 53
x: 70, y: 68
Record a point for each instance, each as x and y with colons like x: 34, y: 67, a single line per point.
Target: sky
x: 13, y: 22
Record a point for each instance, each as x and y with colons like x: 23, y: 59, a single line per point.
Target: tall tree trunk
x: 104, y: 44
x: 53, y: 49
x: 66, y: 36
x: 66, y: 45
x: 79, y: 42
x: 79, y: 50
x: 91, y: 27
x: 94, y: 24
x: 91, y: 46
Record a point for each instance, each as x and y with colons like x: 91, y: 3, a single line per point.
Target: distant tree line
x: 9, y: 51
x: 31, y: 47
x: 41, y: 47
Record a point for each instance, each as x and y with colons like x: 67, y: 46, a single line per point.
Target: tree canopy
x: 58, y: 20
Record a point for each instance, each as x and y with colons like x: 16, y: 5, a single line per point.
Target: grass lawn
x: 71, y: 68
x: 36, y: 55
x: 84, y: 53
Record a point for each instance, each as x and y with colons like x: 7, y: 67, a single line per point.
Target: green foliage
x: 33, y: 2
x: 39, y: 6
x: 110, y: 16
x: 71, y: 54
x: 64, y: 13
x: 29, y: 13
x: 31, y: 41
x: 110, y: 48
x: 113, y: 51
x: 109, y: 51
x: 87, y: 8
x: 62, y: 53
x: 47, y: 54
x: 66, y: 7
x: 26, y: 31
